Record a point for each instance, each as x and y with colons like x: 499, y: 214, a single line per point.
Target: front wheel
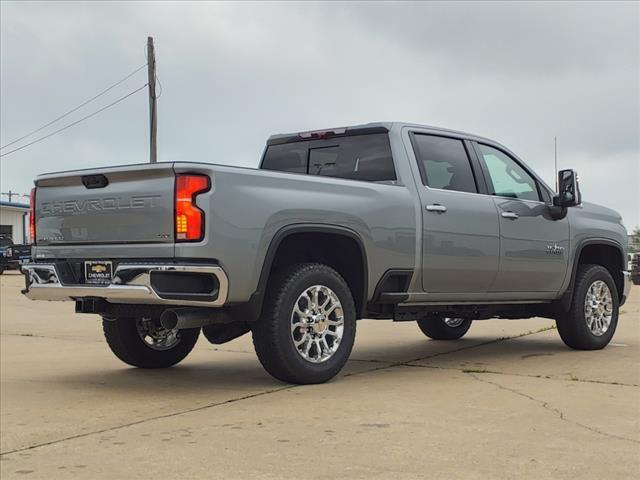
x: 444, y: 328
x: 144, y: 343
x: 593, y: 316
x: 308, y: 325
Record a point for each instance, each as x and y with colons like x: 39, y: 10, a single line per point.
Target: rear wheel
x: 308, y: 325
x: 444, y: 328
x: 593, y: 316
x: 144, y: 343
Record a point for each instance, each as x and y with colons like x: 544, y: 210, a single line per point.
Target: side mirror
x: 568, y: 189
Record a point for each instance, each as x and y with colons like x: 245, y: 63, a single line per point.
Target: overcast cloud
x: 232, y: 74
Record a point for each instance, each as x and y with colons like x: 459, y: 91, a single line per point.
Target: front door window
x: 506, y: 177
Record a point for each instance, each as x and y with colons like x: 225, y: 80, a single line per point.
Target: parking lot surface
x: 507, y: 401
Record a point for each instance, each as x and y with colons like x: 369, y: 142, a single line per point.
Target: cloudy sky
x: 232, y: 74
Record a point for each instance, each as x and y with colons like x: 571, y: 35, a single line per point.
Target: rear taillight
x: 32, y: 215
x: 189, y: 221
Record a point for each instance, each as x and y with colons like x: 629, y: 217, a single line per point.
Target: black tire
x: 127, y: 344
x: 437, y: 329
x: 272, y: 332
x: 572, y: 325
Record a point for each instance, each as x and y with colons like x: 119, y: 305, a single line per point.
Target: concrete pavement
x: 509, y: 400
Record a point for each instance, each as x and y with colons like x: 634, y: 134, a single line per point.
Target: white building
x: 14, y: 221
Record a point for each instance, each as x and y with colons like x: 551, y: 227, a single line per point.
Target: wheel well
x: 609, y: 257
x: 341, y: 252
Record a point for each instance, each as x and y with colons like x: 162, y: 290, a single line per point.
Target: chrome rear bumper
x: 131, y: 284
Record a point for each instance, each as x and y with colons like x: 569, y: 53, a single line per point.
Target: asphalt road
x: 509, y: 400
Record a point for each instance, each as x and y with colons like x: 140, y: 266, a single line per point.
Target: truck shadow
x: 489, y: 349
x: 242, y: 374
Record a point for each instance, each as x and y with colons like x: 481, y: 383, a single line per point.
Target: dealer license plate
x: 98, y: 271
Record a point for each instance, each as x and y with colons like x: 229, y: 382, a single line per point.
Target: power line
x: 76, y: 122
x: 76, y: 108
x: 12, y: 194
x: 159, y: 84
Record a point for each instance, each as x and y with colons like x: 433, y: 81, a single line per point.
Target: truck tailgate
x: 119, y: 205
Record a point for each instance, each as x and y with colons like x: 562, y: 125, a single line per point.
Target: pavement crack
x: 229, y: 350
x: 488, y: 342
x: 149, y: 419
x: 513, y: 374
x: 23, y: 335
x: 47, y: 337
x: 408, y: 363
x: 368, y: 361
x: 550, y: 408
x: 267, y: 392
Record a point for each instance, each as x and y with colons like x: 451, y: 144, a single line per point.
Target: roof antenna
x: 555, y: 160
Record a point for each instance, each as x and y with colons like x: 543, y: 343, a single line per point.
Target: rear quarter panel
x: 247, y: 207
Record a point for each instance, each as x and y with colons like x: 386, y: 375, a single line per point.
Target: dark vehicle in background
x: 635, y: 269
x: 12, y: 256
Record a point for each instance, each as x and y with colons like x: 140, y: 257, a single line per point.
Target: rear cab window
x: 364, y: 157
x: 287, y: 157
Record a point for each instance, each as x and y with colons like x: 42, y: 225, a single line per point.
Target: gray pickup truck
x: 382, y: 221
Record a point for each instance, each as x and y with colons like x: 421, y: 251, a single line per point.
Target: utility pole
x: 555, y: 160
x: 153, y: 119
x: 12, y: 194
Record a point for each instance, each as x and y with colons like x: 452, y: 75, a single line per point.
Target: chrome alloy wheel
x: 453, y: 322
x: 598, y: 308
x: 317, y: 324
x: 155, y: 336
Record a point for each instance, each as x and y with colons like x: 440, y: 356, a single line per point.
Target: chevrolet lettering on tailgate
x: 97, y: 204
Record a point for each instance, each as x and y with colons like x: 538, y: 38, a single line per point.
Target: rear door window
x: 444, y: 163
x: 359, y: 157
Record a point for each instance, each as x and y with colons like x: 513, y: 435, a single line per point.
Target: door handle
x: 436, y: 208
x: 511, y: 215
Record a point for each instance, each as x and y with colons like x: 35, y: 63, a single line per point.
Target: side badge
x: 555, y: 249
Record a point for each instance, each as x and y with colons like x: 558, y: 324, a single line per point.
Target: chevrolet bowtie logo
x: 98, y: 268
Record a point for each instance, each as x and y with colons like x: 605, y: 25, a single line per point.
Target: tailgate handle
x: 95, y: 181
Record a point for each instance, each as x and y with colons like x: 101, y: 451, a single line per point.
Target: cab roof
x: 366, y: 128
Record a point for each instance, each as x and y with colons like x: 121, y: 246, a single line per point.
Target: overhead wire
x: 76, y: 122
x: 74, y: 109
x: 159, y: 84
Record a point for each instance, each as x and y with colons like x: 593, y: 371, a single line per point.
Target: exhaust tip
x: 169, y: 319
